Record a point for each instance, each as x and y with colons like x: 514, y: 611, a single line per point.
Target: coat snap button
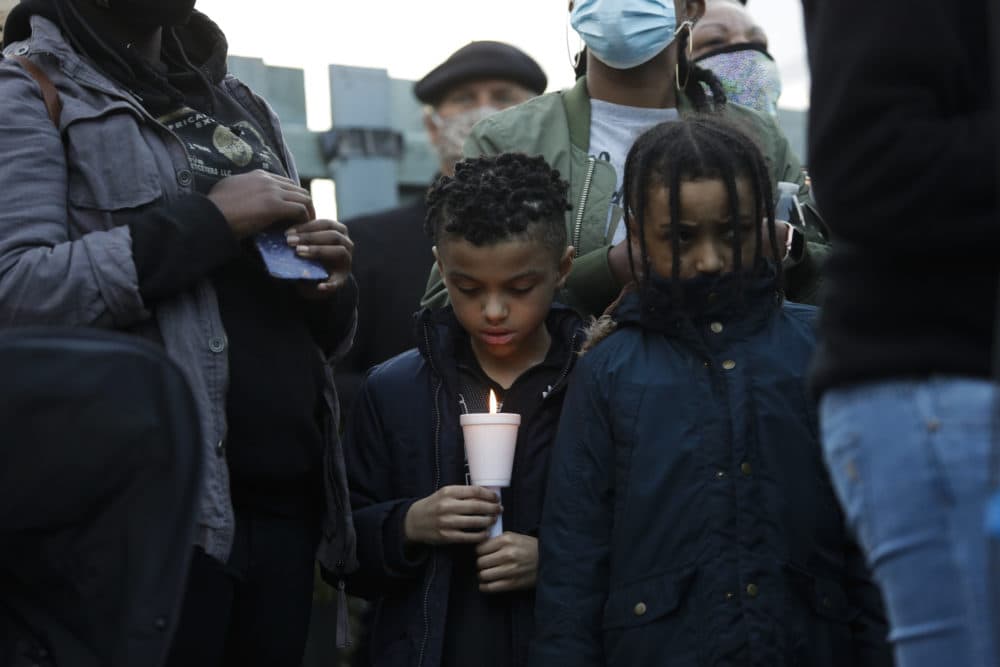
x: 217, y: 344
x: 640, y: 609
x: 752, y: 590
x: 729, y: 364
x: 184, y: 177
x: 21, y: 50
x: 716, y: 327
x: 746, y: 469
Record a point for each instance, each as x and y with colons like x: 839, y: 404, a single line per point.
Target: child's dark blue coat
x: 404, y: 442
x: 689, y: 520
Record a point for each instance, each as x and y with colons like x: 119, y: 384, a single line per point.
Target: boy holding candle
x: 445, y: 593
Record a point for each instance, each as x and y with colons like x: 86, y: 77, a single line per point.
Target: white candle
x: 490, y: 441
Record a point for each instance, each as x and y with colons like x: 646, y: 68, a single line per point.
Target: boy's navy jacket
x: 403, y: 442
x: 689, y: 519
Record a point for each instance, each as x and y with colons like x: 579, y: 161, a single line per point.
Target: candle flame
x: 493, y: 403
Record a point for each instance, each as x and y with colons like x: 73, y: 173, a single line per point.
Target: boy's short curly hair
x: 495, y: 198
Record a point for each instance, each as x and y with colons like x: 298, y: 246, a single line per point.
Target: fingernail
x: 290, y: 231
x: 292, y: 239
x: 302, y: 249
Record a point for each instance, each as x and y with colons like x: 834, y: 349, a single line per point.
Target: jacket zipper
x: 581, y: 207
x: 566, y: 367
x: 437, y: 483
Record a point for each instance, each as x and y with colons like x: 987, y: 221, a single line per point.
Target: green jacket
x: 557, y: 127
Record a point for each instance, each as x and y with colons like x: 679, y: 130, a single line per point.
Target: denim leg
x: 910, y: 463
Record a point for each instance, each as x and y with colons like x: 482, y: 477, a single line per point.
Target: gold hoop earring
x: 689, y: 25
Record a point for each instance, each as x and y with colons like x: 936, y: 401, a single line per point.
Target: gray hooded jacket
x: 66, y: 197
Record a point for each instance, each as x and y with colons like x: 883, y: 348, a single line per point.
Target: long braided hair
x: 694, y: 79
x: 696, y: 148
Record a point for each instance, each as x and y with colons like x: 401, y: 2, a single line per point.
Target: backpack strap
x: 53, y: 104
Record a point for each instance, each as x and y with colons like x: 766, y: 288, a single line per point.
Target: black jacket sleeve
x: 378, y: 511
x: 333, y: 319
x: 178, y: 244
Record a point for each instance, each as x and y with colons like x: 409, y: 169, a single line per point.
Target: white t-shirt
x: 613, y: 130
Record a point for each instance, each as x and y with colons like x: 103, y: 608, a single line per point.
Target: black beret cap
x: 481, y: 60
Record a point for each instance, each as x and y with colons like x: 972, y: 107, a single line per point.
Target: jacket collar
x: 439, y: 334
x: 744, y: 302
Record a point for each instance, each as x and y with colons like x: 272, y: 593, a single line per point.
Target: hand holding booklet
x: 281, y: 260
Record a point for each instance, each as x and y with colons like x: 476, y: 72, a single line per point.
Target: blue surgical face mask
x: 748, y: 74
x: 625, y: 33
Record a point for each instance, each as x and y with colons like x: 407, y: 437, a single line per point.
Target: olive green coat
x: 557, y: 127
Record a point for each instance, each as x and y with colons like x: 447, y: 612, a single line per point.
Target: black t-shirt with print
x: 274, y: 441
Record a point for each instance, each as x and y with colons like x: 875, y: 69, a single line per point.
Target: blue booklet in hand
x: 281, y: 260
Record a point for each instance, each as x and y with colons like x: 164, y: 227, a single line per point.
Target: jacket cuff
x: 591, y: 285
x: 178, y: 244
x: 332, y: 320
x: 803, y: 279
x: 400, y: 559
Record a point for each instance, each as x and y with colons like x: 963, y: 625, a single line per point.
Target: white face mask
x: 625, y: 33
x: 455, y: 129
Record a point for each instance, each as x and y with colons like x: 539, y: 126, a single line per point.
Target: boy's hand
x: 507, y: 563
x: 453, y: 515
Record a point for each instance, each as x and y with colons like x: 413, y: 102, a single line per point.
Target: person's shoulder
x: 800, y: 312
x: 518, y: 126
x: 609, y: 345
x: 400, y: 368
x: 393, y: 380
x: 382, y: 222
x: 799, y: 321
x: 757, y: 124
x: 541, y: 104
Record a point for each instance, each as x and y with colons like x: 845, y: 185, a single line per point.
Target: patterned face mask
x: 749, y: 75
x: 454, y: 130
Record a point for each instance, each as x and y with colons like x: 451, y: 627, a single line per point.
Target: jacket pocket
x: 825, y: 637
x: 111, y: 167
x: 825, y: 597
x: 642, y: 624
x: 645, y: 601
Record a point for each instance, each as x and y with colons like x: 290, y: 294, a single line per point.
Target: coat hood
x: 193, y: 55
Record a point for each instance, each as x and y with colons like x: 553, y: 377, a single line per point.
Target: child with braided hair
x: 444, y: 593
x: 689, y: 519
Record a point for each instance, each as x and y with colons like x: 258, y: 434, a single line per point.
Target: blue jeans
x: 910, y: 461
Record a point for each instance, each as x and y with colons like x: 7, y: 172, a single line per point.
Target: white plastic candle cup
x: 490, y: 440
